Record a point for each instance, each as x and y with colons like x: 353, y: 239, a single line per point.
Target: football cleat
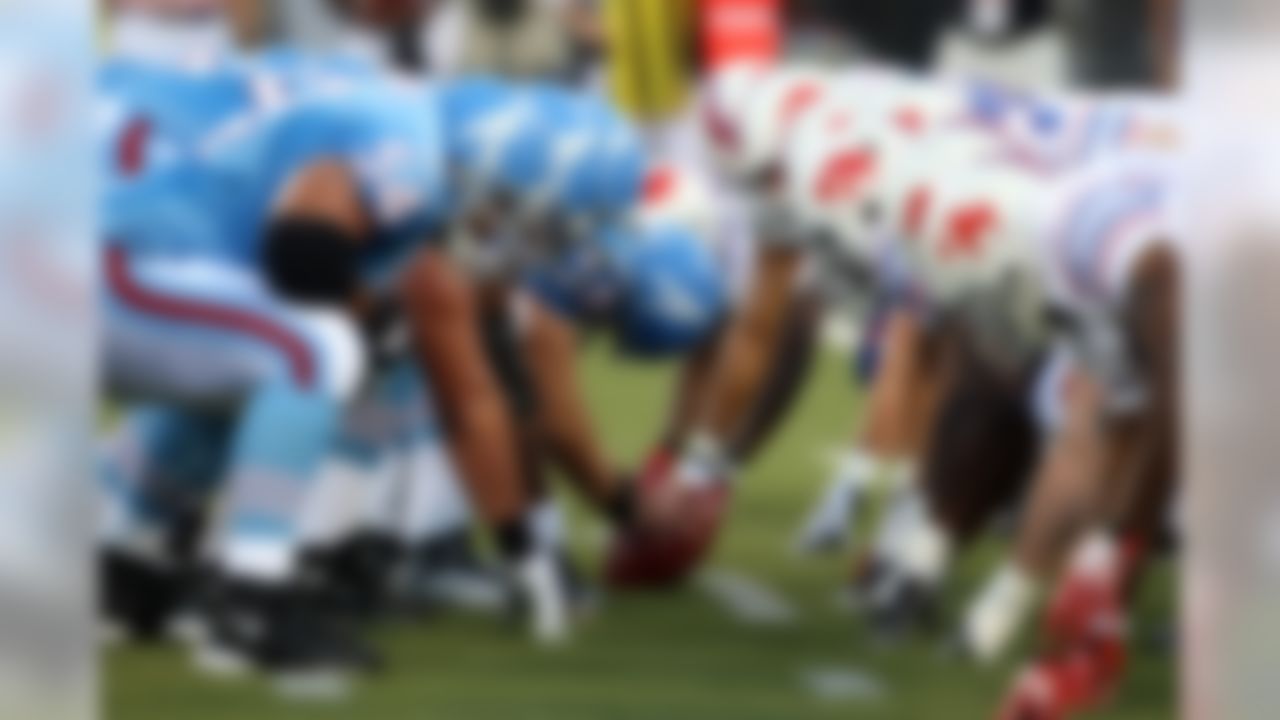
x: 140, y: 598
x: 290, y: 636
x: 448, y: 574
x: 353, y: 577
x: 1075, y: 681
x: 1089, y: 602
x: 898, y: 605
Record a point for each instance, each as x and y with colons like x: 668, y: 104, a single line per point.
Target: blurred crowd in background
x: 648, y: 54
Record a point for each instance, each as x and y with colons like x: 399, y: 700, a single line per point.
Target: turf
x: 669, y: 656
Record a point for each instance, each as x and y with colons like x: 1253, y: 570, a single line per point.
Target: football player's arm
x: 442, y: 313
x: 564, y: 421
x: 695, y: 378
x: 749, y: 349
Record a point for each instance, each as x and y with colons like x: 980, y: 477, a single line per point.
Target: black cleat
x: 584, y: 598
x: 448, y: 574
x: 354, y: 577
x: 897, y: 607
x: 140, y: 597
x: 289, y: 635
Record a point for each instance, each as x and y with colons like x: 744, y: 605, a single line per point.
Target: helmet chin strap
x: 195, y: 44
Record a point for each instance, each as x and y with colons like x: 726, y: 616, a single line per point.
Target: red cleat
x: 1088, y: 606
x: 1071, y: 683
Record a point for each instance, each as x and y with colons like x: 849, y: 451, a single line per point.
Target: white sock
x: 831, y: 520
x: 925, y: 548
x: 999, y: 611
x: 1096, y: 555
x: 258, y: 560
x: 547, y: 521
x: 856, y: 472
x: 900, y: 504
x: 330, y: 513
x: 382, y: 488
x: 538, y: 576
x: 435, y: 504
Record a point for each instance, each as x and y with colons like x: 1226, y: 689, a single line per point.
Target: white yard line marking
x: 747, y: 599
x: 834, y: 683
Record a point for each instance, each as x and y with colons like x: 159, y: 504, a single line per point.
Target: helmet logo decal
x: 845, y: 175
x: 659, y: 185
x: 968, y: 229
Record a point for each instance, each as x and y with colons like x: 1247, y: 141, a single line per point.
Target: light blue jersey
x: 219, y: 202
x: 555, y: 166
x: 151, y: 115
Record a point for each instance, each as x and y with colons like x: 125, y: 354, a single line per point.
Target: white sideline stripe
x: 831, y: 683
x: 747, y: 599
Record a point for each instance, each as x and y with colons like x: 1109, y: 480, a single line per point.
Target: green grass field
x: 671, y: 656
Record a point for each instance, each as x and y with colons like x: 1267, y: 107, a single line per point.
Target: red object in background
x: 737, y: 31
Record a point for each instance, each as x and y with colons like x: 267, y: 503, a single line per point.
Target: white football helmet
x: 677, y: 195
x: 857, y: 157
x: 975, y: 229
x: 720, y: 110
x: 832, y: 174
x: 750, y: 114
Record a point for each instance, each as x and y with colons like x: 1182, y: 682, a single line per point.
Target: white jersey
x: 1100, y: 221
x: 1057, y: 133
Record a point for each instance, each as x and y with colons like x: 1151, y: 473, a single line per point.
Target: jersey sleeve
x: 1103, y: 221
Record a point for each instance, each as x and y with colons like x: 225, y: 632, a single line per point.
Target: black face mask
x: 502, y: 11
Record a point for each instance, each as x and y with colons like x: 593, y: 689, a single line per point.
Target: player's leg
x: 565, y: 426
x: 1088, y: 617
x: 916, y: 370
x: 349, y: 515
x: 862, y: 468
x: 157, y: 472
x: 791, y: 366
x: 413, y: 543
x: 207, y: 335
x: 445, y: 319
